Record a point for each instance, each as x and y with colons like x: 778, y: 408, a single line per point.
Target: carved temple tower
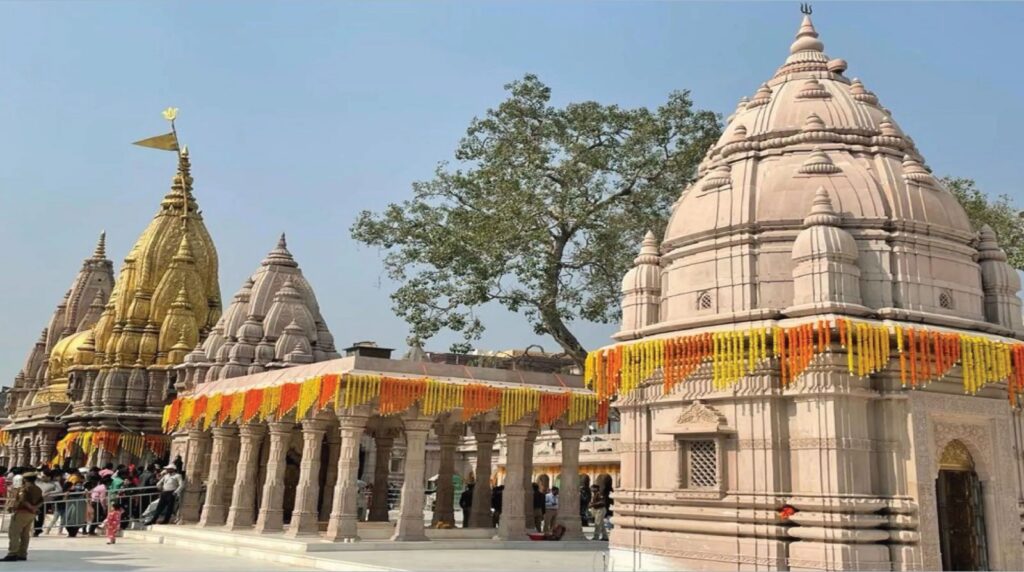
x: 38, y: 397
x: 814, y: 362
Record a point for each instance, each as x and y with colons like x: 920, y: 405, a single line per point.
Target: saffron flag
x: 166, y: 142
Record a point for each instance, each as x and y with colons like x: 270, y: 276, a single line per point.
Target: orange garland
x: 552, y: 406
x: 253, y: 399
x: 602, y: 412
x: 398, y: 394
x: 225, y: 406
x: 199, y: 410
x: 289, y: 398
x: 478, y: 399
x: 328, y: 390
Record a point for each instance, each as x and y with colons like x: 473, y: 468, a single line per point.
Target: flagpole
x: 174, y: 130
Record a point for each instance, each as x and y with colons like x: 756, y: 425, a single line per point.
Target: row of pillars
x: 234, y: 454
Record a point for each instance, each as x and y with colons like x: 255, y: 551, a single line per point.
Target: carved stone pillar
x: 271, y: 515
x: 304, y: 517
x: 480, y: 513
x: 33, y: 459
x: 343, y: 525
x: 444, y: 508
x: 382, y: 468
x: 569, y: 492
x: 527, y: 478
x: 410, y: 514
x: 222, y: 462
x: 512, y: 525
x: 195, y: 472
x: 331, y: 474
x: 47, y: 449
x: 242, y: 511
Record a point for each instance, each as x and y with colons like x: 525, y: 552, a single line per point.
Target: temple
x: 819, y: 366
x: 814, y: 360
x: 38, y: 401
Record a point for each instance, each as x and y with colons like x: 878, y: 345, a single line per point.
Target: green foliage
x: 542, y: 212
x: 999, y: 213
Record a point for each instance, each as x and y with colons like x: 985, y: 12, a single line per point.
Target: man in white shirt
x: 170, y: 486
x: 550, y: 509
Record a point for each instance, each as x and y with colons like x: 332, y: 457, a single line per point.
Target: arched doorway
x: 961, y: 511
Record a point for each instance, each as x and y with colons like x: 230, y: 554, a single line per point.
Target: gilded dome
x: 168, y: 288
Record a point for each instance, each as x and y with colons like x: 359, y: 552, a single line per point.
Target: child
x: 113, y: 523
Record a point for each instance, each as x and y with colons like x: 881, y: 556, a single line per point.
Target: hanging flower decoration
x: 111, y: 441
x: 393, y: 395
x: 786, y: 512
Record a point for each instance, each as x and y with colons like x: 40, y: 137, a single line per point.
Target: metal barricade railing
x: 85, y: 512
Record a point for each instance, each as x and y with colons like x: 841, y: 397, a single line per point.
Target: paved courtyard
x: 93, y: 554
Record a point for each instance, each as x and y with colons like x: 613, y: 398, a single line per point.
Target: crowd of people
x: 595, y: 508
x: 85, y: 501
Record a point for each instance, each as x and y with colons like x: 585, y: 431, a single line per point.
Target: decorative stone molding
x: 698, y: 418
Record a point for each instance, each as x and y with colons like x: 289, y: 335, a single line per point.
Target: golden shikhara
x: 923, y: 356
x: 394, y: 395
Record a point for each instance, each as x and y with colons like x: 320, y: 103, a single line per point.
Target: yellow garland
x: 516, y: 403
x: 270, y: 403
x: 237, y: 407
x: 213, y: 405
x: 163, y: 419
x: 87, y: 444
x: 360, y: 389
x: 582, y: 407
x: 309, y: 393
x: 187, y: 409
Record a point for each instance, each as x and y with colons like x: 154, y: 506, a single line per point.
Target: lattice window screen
x: 703, y: 469
x: 946, y: 298
x: 704, y: 300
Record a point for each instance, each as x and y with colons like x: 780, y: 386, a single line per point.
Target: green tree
x: 542, y: 212
x: 999, y: 213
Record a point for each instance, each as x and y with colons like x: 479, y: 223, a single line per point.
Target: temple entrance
x: 961, y: 511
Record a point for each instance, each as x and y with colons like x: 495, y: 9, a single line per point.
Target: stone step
x: 267, y: 554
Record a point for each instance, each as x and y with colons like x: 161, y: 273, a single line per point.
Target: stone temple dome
x: 273, y: 321
x: 887, y: 239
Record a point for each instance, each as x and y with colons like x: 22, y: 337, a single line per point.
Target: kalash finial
x: 806, y: 36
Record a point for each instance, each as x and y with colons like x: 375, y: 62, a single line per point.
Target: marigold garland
x: 360, y: 389
x: 110, y: 441
x: 309, y: 394
x: 329, y: 385
x: 479, y: 399
x: 271, y: 402
x: 227, y: 401
x: 552, y: 406
x: 289, y: 398
x: 214, y: 406
x: 582, y: 406
x: 187, y: 409
x: 516, y: 403
x: 199, y: 410
x: 395, y: 395
x: 253, y: 401
x: 399, y: 394
x: 441, y: 397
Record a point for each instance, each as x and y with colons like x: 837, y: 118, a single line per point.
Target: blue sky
x: 299, y: 114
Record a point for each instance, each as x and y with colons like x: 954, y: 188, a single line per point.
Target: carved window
x: 700, y: 464
x: 946, y: 298
x: 704, y: 300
